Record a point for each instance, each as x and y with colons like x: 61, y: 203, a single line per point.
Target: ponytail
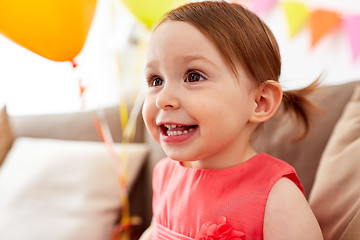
x: 296, y: 102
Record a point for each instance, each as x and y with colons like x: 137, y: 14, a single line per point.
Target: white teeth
x: 168, y: 126
x: 177, y: 133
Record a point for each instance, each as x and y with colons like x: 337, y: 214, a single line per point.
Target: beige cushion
x: 6, y: 136
x: 335, y: 197
x: 352, y: 231
x: 60, y: 190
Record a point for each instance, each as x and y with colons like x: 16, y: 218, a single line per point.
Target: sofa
x: 327, y: 161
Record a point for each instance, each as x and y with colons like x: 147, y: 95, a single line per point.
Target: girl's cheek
x: 145, y: 112
x: 149, y: 113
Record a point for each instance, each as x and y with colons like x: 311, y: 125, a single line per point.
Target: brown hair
x: 243, y: 38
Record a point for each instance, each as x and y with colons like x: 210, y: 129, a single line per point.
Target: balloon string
x: 100, y: 128
x: 82, y: 87
x: 121, y: 231
x: 74, y: 64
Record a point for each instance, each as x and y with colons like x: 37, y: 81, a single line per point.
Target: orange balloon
x: 54, y: 29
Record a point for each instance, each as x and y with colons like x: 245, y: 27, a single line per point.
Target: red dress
x: 224, y: 204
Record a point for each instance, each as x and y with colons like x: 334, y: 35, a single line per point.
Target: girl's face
x: 195, y: 107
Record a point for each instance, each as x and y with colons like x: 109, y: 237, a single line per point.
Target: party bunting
x: 262, y: 6
x: 321, y: 23
x: 352, y: 28
x: 296, y: 14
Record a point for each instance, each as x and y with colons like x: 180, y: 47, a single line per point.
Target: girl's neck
x: 248, y: 153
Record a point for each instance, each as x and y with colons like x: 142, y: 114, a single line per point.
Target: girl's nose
x: 168, y: 98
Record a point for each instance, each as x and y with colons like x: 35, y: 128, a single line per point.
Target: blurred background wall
x: 110, y: 64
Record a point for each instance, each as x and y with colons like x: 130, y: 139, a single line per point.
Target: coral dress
x: 224, y: 204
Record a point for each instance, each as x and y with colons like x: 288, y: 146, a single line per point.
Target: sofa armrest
x: 72, y: 126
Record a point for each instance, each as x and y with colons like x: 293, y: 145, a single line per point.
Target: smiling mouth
x: 176, y: 130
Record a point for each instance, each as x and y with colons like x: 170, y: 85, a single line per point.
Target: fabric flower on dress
x: 218, y: 231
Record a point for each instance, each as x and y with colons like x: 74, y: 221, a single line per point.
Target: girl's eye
x: 155, y: 82
x: 194, y: 77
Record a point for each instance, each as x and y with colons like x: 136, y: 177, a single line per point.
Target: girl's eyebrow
x: 184, y: 58
x: 150, y: 64
x: 191, y: 58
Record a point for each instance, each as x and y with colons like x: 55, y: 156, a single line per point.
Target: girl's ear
x: 268, y: 98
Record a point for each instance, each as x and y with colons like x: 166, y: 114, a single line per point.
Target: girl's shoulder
x: 288, y: 214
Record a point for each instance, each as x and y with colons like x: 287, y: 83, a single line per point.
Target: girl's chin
x: 176, y: 156
x: 184, y: 160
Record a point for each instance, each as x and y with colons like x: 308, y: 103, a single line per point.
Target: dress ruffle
x: 162, y: 233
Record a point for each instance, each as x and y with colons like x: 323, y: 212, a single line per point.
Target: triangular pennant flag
x: 322, y: 22
x: 296, y: 15
x: 262, y: 6
x: 352, y: 28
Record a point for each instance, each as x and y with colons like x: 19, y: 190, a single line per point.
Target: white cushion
x: 57, y: 189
